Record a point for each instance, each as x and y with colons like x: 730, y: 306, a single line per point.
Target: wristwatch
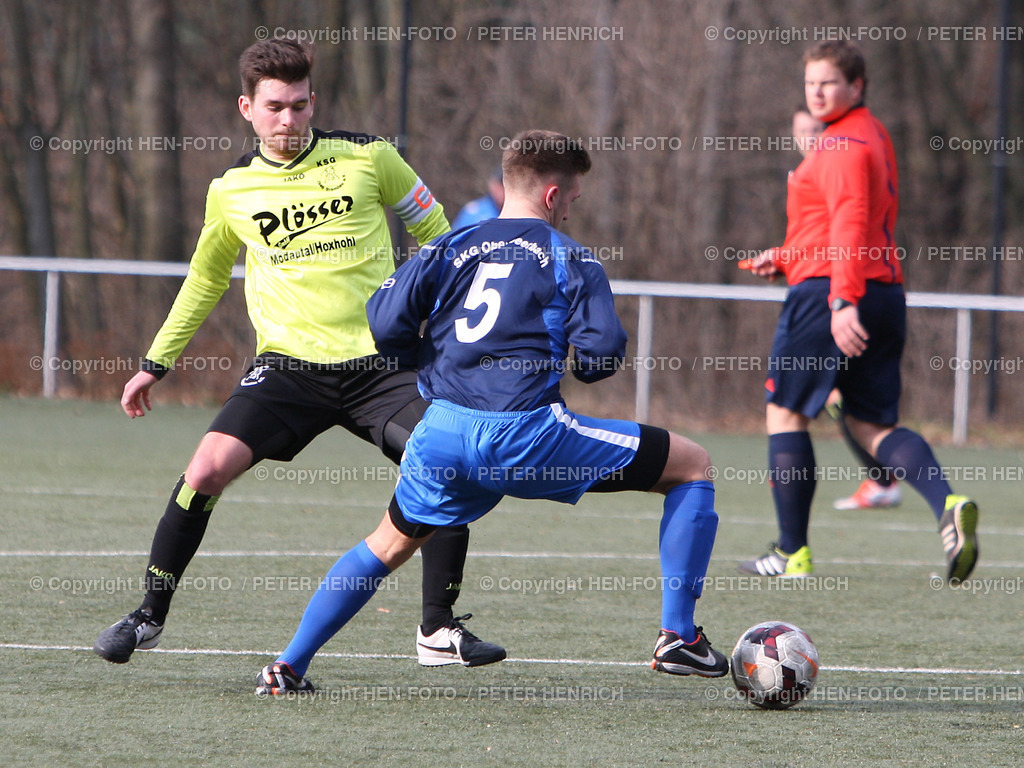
x: 838, y: 304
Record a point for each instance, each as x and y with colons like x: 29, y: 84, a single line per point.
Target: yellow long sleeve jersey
x: 317, y: 246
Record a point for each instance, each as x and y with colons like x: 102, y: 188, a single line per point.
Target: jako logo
x: 255, y: 376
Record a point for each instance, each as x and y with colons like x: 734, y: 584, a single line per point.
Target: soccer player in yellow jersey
x: 309, y: 208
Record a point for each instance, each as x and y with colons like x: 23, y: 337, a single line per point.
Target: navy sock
x: 686, y: 538
x: 348, y: 586
x: 794, y: 478
x: 910, y: 456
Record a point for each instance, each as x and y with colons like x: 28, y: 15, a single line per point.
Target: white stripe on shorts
x: 604, y: 435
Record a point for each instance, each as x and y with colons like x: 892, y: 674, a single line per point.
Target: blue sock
x: 908, y: 453
x: 794, y: 478
x: 348, y: 586
x: 687, y: 535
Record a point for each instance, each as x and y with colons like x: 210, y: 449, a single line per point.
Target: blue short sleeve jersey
x: 475, y: 211
x: 502, y: 302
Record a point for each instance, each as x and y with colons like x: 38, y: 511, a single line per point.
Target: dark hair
x: 536, y: 155
x: 277, y: 59
x: 846, y: 57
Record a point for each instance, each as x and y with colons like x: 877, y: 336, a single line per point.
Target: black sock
x: 880, y: 474
x: 176, y: 540
x: 794, y: 478
x: 444, y: 557
x: 912, y: 458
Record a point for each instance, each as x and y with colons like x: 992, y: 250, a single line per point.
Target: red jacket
x: 841, y: 209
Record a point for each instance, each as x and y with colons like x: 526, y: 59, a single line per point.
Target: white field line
x: 1017, y: 565
x: 572, y: 662
x: 879, y: 526
x: 767, y: 519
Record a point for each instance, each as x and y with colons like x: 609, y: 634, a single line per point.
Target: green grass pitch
x: 913, y: 672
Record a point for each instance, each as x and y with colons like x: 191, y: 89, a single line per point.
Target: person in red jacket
x: 879, y: 489
x: 843, y: 323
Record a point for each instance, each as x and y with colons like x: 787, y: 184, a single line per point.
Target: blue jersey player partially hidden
x: 499, y: 304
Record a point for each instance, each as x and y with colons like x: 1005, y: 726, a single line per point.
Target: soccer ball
x: 774, y: 665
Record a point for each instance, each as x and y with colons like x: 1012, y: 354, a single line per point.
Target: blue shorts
x: 460, y: 462
x: 805, y: 364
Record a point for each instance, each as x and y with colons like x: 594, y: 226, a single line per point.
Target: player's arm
x: 135, y: 397
x: 592, y: 326
x: 209, y: 275
x: 846, y: 185
x: 845, y: 181
x: 406, y: 193
x: 398, y: 308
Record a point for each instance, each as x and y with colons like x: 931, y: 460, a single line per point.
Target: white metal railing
x: 54, y: 267
x: 964, y: 304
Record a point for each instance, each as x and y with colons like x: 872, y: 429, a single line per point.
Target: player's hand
x: 763, y: 265
x: 136, y: 394
x: 849, y: 334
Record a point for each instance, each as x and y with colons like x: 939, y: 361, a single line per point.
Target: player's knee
x: 687, y: 463
x: 700, y: 467
x: 218, y: 460
x: 207, y: 482
x: 209, y: 477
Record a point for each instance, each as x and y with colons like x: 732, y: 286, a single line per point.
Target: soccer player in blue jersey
x: 500, y: 303
x: 309, y: 208
x: 483, y: 208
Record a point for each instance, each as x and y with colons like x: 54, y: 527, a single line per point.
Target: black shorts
x: 646, y: 468
x: 871, y: 384
x: 283, y: 403
x: 805, y: 364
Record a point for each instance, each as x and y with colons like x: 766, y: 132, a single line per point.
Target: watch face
x: 838, y: 304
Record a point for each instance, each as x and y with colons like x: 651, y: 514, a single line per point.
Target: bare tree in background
x: 157, y: 173
x: 27, y: 189
x: 153, y: 69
